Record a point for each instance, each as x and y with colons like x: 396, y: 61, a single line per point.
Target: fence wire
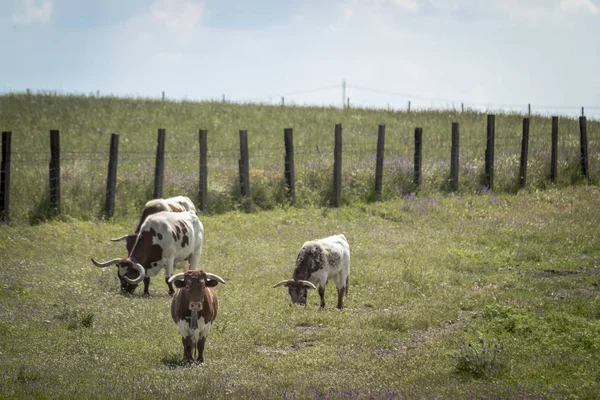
x: 83, y: 173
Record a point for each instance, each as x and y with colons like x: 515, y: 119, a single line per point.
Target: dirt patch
x: 550, y: 273
x: 585, y: 291
x: 419, y: 337
x: 274, y: 352
x: 547, y: 273
x: 590, y: 292
x: 308, y: 329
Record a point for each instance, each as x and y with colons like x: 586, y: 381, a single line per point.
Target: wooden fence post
x: 583, y: 145
x: 489, y: 151
x: 5, y: 178
x: 111, y: 178
x: 454, y: 157
x: 524, y: 153
x: 290, y: 169
x: 54, y: 169
x: 203, y: 171
x: 337, y: 166
x: 159, y: 168
x: 379, y: 161
x: 244, y: 170
x: 418, y: 155
x: 554, y: 153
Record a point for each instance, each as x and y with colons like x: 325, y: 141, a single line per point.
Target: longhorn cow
x: 194, y: 308
x: 317, y: 262
x: 174, y: 204
x: 164, y: 239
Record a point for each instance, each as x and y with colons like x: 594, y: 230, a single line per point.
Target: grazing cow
x: 174, y: 204
x: 164, y: 239
x: 317, y: 262
x: 193, y: 309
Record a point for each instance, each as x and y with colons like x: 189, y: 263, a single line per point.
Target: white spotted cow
x: 317, y: 262
x: 164, y: 239
x: 194, y: 308
x: 174, y: 204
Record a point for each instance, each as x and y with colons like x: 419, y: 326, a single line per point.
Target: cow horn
x: 307, y: 284
x: 214, y: 277
x: 176, y: 277
x: 141, y: 276
x: 283, y: 282
x: 107, y: 263
x: 119, y: 238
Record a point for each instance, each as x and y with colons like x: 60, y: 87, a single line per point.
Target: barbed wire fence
x: 83, y: 173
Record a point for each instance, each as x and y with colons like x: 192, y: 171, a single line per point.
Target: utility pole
x: 343, y: 93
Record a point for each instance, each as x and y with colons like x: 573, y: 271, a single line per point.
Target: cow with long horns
x: 194, y: 308
x: 173, y: 204
x: 164, y: 239
x: 317, y: 262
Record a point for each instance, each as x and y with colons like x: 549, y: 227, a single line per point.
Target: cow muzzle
x: 195, y: 307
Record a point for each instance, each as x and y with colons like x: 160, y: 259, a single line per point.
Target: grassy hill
x: 85, y: 125
x: 468, y: 295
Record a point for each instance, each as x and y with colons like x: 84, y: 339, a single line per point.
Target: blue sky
x: 432, y: 52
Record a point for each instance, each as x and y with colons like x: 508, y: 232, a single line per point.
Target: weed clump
x: 76, y: 318
x: 479, y: 360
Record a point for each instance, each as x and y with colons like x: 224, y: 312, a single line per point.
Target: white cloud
x: 574, y: 5
x: 34, y: 12
x: 175, y: 14
x: 409, y: 5
x: 165, y: 26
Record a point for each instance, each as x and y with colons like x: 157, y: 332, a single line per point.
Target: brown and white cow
x: 194, y: 308
x: 164, y: 239
x: 317, y: 262
x: 174, y: 204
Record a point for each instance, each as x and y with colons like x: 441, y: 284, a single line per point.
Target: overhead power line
x: 299, y: 93
x: 412, y: 96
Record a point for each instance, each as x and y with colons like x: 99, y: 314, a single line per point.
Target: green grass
x: 85, y: 125
x: 451, y: 296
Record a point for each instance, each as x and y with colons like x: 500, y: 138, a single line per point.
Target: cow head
x: 298, y: 289
x: 130, y: 272
x: 194, y: 284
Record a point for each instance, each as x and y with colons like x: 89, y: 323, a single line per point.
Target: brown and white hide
x: 194, y: 308
x: 319, y: 261
x: 165, y: 238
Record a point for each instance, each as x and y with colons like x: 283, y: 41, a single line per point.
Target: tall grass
x: 86, y: 123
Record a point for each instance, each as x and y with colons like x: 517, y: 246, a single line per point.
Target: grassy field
x: 451, y: 296
x: 85, y: 125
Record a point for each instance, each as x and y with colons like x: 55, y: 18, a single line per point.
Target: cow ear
x: 211, y: 283
x: 179, y: 283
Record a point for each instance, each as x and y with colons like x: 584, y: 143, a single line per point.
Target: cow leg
x: 201, y: 342
x: 168, y: 273
x: 187, y: 348
x: 341, y: 292
x: 170, y: 285
x: 146, y: 286
x: 193, y: 261
x: 322, y: 294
